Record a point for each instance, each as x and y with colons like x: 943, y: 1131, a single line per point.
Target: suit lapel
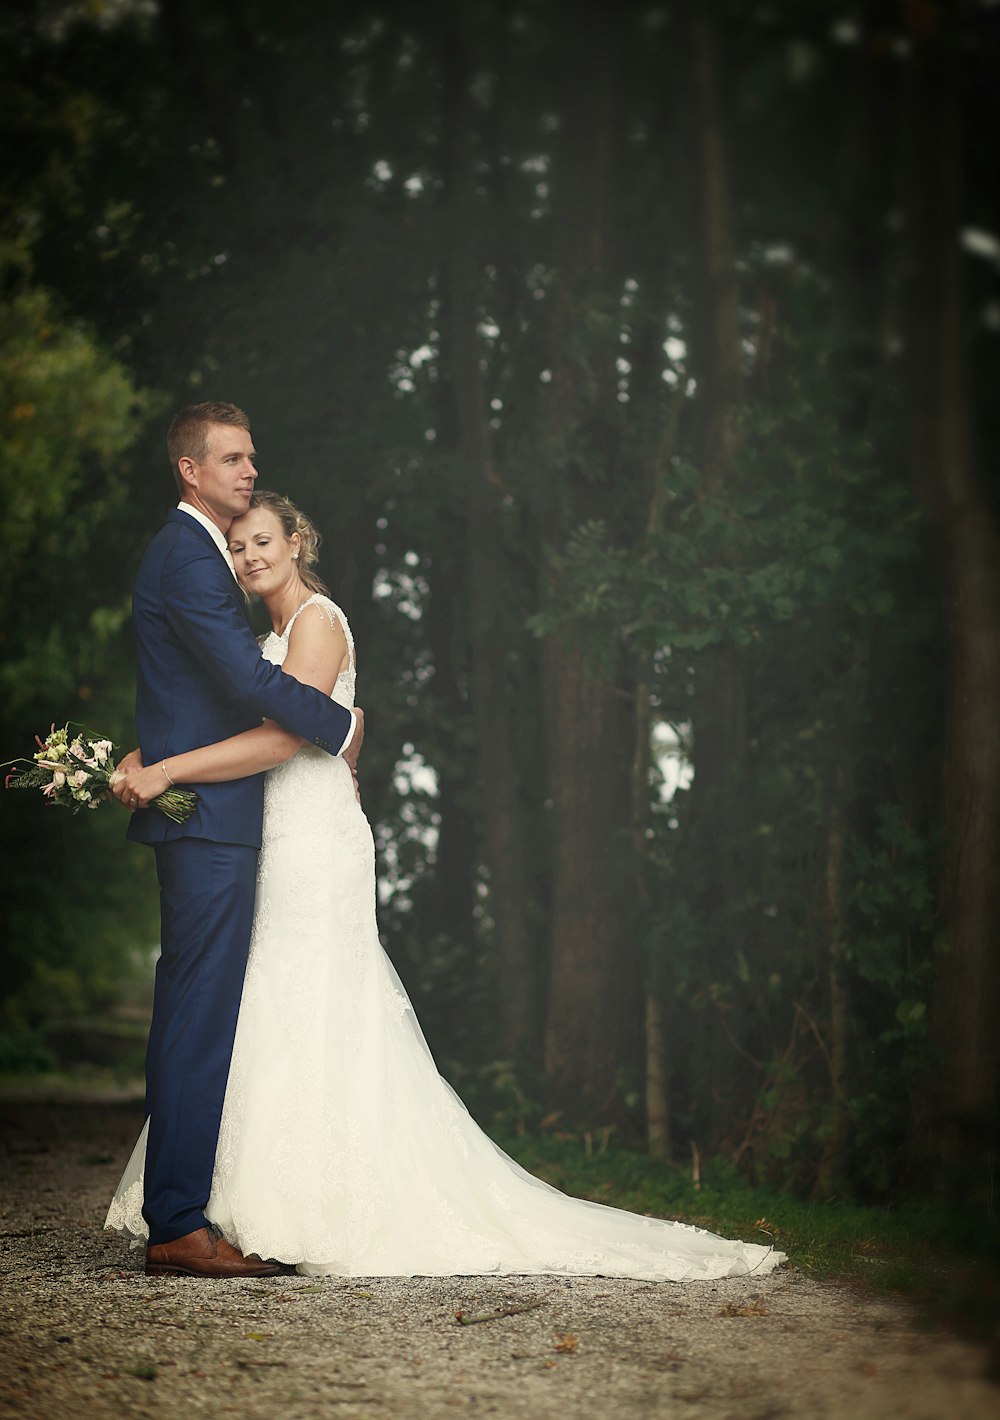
x: 192, y: 525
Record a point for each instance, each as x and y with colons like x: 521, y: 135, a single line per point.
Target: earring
x: 295, y: 557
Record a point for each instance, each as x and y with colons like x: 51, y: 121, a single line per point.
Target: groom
x: 201, y: 678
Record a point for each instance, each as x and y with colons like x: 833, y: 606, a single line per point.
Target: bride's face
x: 265, y: 559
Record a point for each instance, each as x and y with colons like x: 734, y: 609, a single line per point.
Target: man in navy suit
x: 201, y: 678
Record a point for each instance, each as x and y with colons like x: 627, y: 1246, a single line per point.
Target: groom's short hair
x: 187, y: 437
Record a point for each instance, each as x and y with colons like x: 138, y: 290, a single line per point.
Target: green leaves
x: 783, y: 543
x: 68, y: 411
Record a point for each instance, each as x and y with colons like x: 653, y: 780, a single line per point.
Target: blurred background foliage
x: 638, y: 364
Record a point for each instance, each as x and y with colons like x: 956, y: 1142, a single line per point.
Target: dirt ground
x: 84, y: 1333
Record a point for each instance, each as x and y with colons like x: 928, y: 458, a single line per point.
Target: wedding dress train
x: 341, y: 1148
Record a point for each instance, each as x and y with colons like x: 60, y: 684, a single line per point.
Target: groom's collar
x: 213, y: 531
x: 217, y: 537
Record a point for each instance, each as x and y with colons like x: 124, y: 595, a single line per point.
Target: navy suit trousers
x: 206, y: 911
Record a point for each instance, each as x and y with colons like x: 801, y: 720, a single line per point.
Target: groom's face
x: 224, y: 478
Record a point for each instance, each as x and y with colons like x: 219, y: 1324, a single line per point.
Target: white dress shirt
x: 218, y: 537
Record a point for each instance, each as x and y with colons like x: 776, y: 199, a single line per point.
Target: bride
x: 341, y: 1149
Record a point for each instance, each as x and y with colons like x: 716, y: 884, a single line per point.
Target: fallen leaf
x: 744, y: 1309
x: 566, y: 1341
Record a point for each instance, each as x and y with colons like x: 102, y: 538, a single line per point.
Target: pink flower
x: 49, y: 790
x: 80, y: 778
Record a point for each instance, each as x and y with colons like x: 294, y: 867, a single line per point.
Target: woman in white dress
x: 341, y: 1148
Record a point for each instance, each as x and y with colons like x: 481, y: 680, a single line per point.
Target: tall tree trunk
x: 594, y: 1025
x: 833, y: 1158
x: 447, y: 904
x: 859, y: 260
x: 492, y: 703
x: 967, y: 999
x: 719, y: 709
x: 593, y: 1052
x: 657, y: 1075
x: 657, y: 1071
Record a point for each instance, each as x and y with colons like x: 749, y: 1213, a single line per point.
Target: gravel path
x: 84, y: 1333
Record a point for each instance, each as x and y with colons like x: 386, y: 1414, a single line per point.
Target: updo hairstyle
x: 292, y: 521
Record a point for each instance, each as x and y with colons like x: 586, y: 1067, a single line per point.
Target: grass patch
x: 88, y: 1084
x: 940, y: 1256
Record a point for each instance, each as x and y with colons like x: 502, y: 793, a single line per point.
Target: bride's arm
x: 317, y: 653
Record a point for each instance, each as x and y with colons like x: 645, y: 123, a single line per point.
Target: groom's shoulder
x: 179, y: 537
x: 175, y: 554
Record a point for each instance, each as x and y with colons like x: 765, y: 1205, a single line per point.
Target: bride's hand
x: 141, y: 787
x: 119, y: 781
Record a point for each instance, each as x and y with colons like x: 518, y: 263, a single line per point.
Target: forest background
x: 639, y: 365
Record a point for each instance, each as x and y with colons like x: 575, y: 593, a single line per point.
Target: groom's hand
x: 353, y: 750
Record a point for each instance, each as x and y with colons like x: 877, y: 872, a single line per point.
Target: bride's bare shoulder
x: 316, y: 640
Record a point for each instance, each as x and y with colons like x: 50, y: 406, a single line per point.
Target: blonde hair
x: 293, y: 521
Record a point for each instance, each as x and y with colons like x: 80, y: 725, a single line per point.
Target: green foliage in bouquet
x: 80, y: 773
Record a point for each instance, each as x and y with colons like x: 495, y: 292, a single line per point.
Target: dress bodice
x: 274, y: 648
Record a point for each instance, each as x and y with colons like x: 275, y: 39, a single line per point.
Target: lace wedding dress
x: 341, y: 1148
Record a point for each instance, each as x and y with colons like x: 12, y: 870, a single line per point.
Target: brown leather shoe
x: 199, y: 1254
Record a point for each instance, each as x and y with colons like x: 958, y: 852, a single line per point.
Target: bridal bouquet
x: 79, y: 773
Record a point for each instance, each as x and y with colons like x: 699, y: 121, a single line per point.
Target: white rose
x: 80, y: 777
x: 59, y: 779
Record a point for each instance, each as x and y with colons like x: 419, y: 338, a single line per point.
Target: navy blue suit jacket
x: 201, y: 678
